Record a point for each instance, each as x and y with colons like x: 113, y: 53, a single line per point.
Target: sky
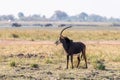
x: 108, y: 8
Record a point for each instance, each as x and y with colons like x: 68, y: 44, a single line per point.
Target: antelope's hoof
x: 85, y: 67
x: 66, y: 68
x: 72, y: 67
x: 77, y: 67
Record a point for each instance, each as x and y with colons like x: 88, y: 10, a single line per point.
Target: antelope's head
x: 62, y: 38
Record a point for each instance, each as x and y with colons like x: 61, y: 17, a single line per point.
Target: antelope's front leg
x: 67, y: 61
x: 72, y: 61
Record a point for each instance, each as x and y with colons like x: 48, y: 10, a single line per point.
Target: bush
x: 99, y: 65
x: 34, y: 65
x: 13, y: 64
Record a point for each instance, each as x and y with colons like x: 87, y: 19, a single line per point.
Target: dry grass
x: 94, y: 51
x: 51, y: 60
x: 52, y: 34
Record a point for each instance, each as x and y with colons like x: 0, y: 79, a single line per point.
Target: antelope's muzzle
x: 57, y: 42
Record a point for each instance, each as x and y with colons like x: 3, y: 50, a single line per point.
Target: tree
x: 83, y: 16
x: 96, y: 18
x: 21, y: 15
x: 7, y: 17
x: 11, y: 17
x: 59, y: 15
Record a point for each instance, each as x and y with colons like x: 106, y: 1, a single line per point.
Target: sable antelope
x: 72, y: 48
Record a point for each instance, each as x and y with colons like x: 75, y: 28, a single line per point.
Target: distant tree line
x: 59, y: 16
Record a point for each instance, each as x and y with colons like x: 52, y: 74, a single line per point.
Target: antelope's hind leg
x: 84, y: 55
x: 78, y: 58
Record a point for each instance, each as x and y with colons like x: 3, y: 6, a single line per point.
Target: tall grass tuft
x: 48, y: 61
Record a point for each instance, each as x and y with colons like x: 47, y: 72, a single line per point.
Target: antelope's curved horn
x: 63, y: 30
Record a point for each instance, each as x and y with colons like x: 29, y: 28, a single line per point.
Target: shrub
x: 13, y: 64
x: 34, y: 65
x: 99, y: 65
x: 15, y: 36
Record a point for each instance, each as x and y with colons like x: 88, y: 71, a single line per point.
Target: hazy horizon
x: 108, y: 8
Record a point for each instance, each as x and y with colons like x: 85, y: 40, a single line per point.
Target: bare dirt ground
x: 56, y: 71
x: 10, y: 42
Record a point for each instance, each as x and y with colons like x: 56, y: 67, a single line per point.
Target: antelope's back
x: 76, y: 47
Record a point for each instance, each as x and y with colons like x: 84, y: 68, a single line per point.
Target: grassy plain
x: 53, y: 34
x: 31, y: 59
